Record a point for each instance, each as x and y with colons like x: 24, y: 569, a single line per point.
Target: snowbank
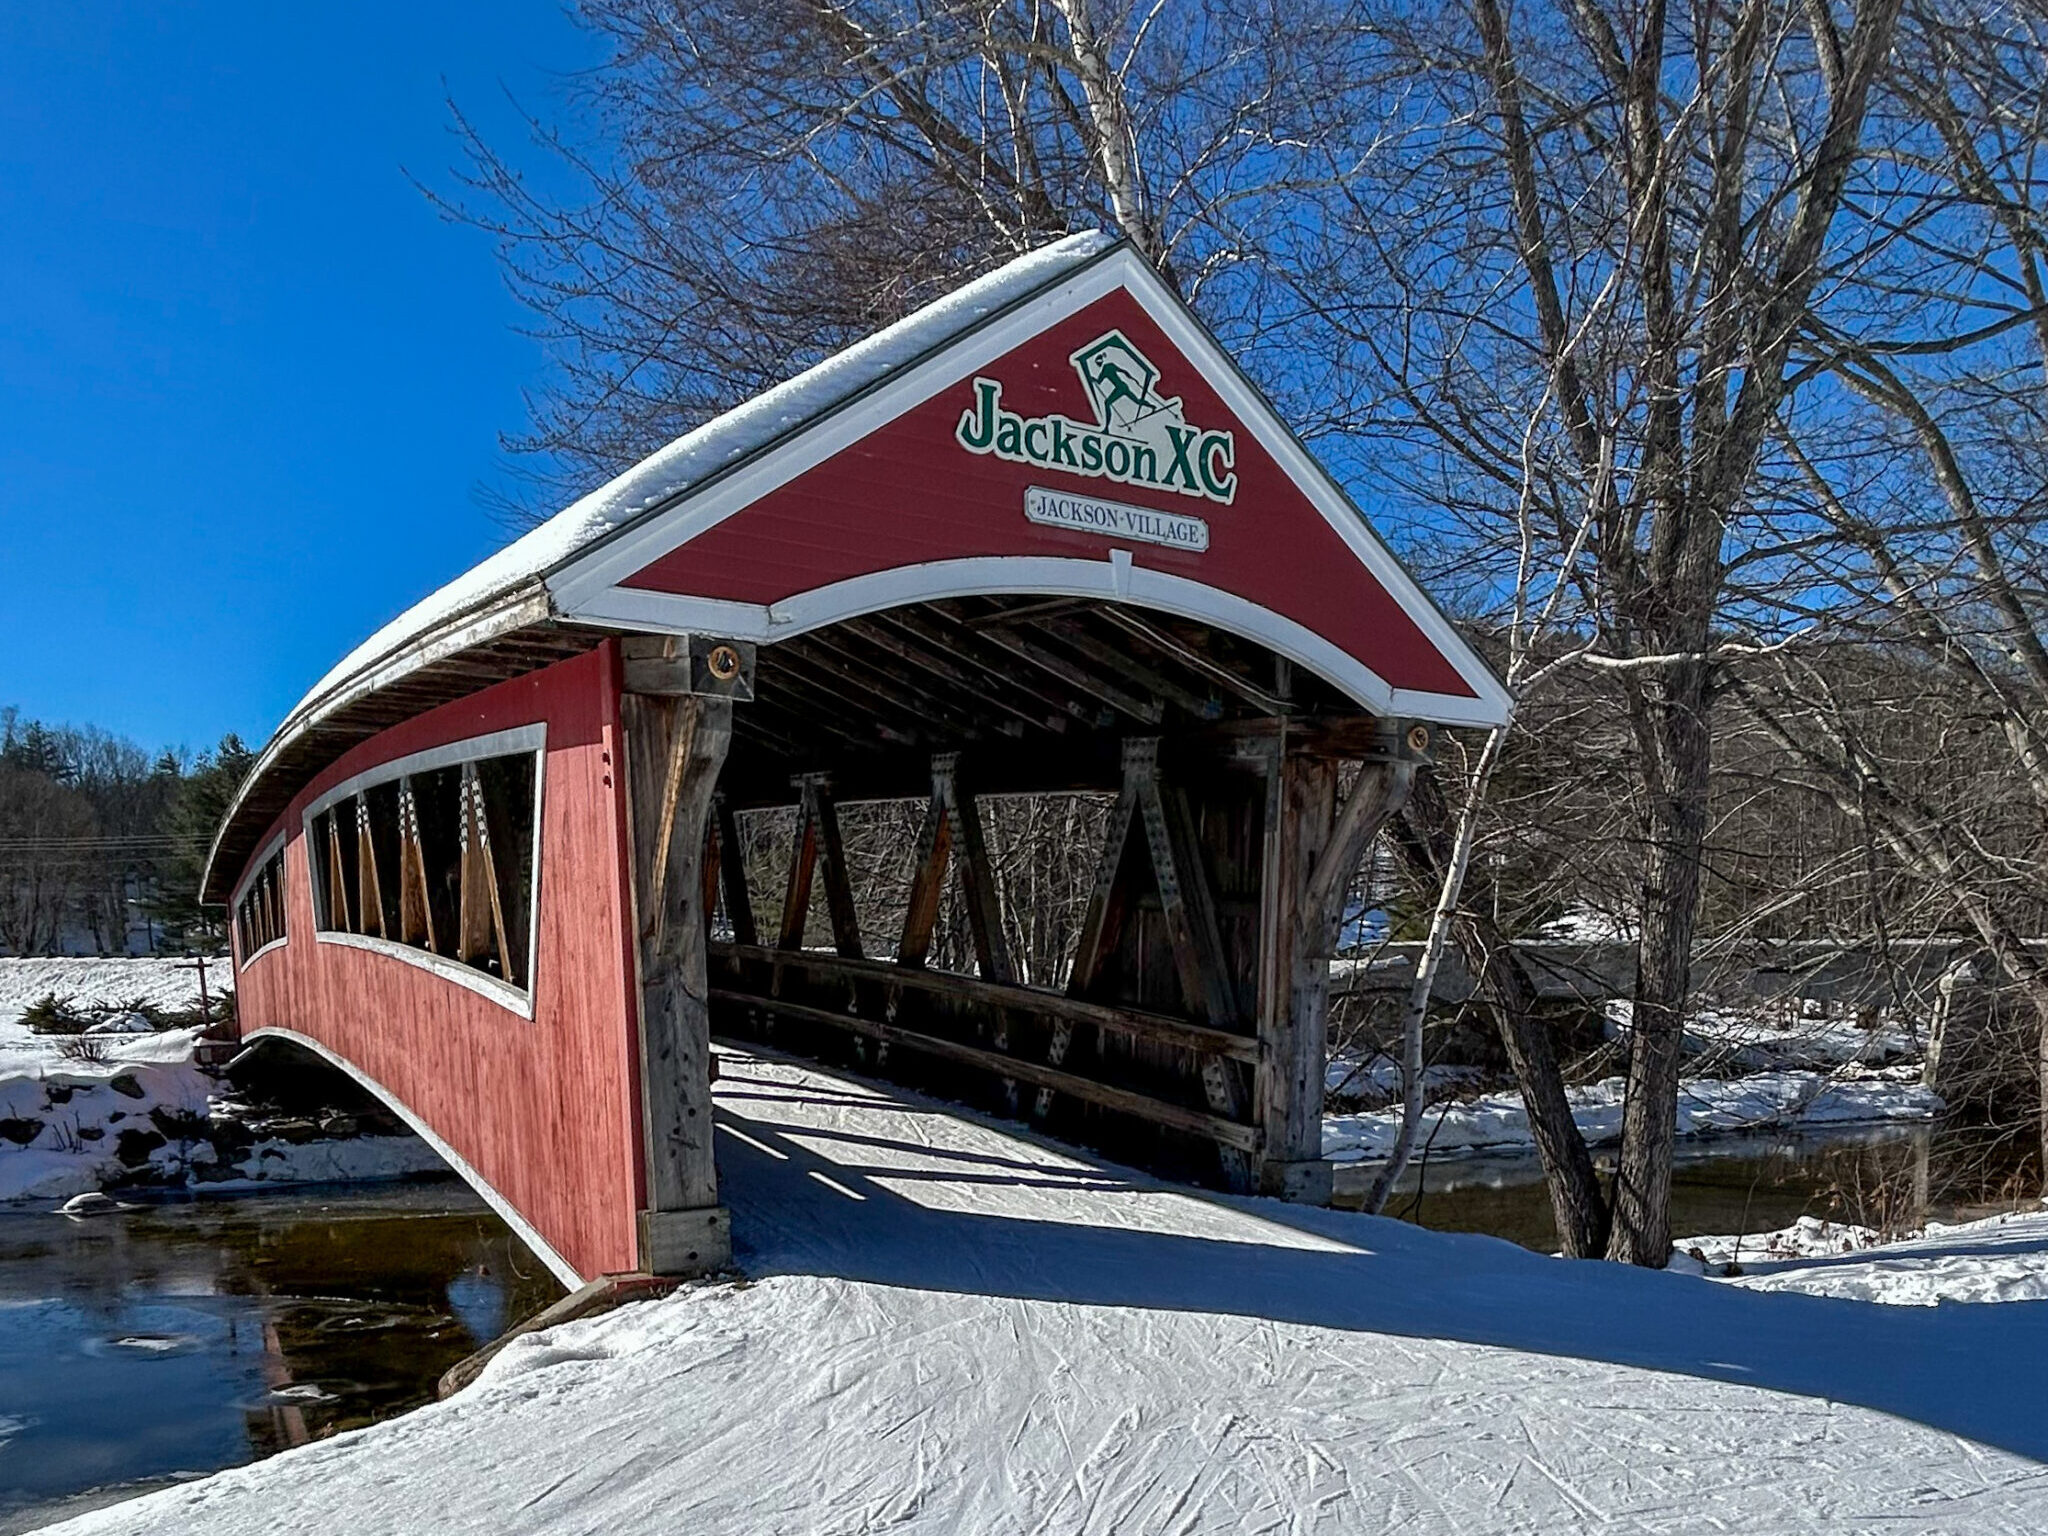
x: 954, y: 1327
x: 1764, y: 1036
x: 1998, y: 1259
x: 1706, y: 1107
x: 145, y: 1116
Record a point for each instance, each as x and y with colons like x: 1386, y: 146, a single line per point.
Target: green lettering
x: 1217, y: 449
x: 977, y: 429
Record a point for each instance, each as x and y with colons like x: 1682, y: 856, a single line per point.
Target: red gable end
x: 910, y: 492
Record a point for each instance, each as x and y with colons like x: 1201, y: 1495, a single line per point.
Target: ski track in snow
x: 969, y: 1331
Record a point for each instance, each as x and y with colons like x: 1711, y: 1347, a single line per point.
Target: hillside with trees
x: 101, y: 844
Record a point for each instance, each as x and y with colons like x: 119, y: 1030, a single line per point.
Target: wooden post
x: 677, y: 712
x: 732, y: 872
x: 1311, y: 849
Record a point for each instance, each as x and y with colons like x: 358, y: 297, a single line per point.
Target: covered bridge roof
x: 994, y: 442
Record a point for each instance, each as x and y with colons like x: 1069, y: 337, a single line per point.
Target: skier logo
x: 1118, y: 374
x: 1138, y: 436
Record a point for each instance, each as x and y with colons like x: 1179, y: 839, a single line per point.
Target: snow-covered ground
x: 1766, y: 1036
x: 953, y: 1327
x: 76, y: 1114
x: 64, y: 1116
x: 1706, y: 1107
x: 109, y: 982
x: 2000, y: 1258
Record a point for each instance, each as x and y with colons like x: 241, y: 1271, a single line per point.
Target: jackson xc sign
x: 1137, y: 437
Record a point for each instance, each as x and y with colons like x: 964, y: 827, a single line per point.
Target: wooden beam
x: 675, y: 746
x: 338, y: 914
x: 1103, y: 918
x: 369, y: 886
x: 821, y: 717
x: 977, y: 876
x: 1158, y: 1028
x: 1243, y: 1138
x: 415, y: 907
x: 1186, y: 901
x: 480, y: 919
x: 796, y: 894
x: 946, y: 633
x: 917, y: 692
x: 1310, y: 850
x: 1072, y: 632
x: 819, y: 810
x: 958, y: 671
x: 1143, y: 710
x: 857, y: 675
x: 928, y: 883
x: 1161, y: 640
x: 1188, y: 906
x: 732, y: 872
x: 1022, y: 612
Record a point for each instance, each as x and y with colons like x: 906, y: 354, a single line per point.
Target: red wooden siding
x: 908, y: 493
x: 545, y: 1110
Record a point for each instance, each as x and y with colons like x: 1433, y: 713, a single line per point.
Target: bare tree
x: 764, y: 183
x: 1626, y: 214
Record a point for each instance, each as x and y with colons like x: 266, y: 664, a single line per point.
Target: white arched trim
x: 1116, y: 579
x: 562, y: 1269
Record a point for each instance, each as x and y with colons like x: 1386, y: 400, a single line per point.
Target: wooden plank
x: 1159, y: 639
x: 839, y: 907
x: 675, y: 747
x: 1156, y: 1027
x: 415, y: 909
x: 369, y: 886
x: 928, y: 883
x: 1242, y: 1138
x: 796, y: 895
x: 977, y: 879
x: 732, y: 873
x: 1103, y: 918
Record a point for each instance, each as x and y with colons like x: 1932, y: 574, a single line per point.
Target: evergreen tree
x: 195, y: 813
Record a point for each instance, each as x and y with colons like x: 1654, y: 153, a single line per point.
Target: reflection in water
x: 1890, y: 1177
x: 170, y: 1340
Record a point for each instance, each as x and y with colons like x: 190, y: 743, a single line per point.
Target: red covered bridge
x: 1041, y: 536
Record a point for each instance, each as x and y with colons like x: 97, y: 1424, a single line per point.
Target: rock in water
x: 93, y: 1202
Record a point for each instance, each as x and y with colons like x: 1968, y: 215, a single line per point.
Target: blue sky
x: 249, y: 378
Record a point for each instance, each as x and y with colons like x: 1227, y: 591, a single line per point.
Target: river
x: 175, y: 1338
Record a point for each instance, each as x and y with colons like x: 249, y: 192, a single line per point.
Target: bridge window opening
x: 259, y: 915
x: 435, y: 857
x: 1042, y: 850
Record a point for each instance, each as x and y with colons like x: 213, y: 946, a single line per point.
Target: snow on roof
x: 719, y: 443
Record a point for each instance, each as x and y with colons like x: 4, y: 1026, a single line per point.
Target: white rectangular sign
x: 1114, y: 520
